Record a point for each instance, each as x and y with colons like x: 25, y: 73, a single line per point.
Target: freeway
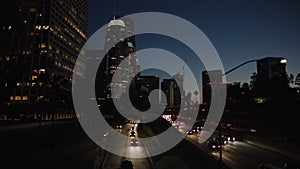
x: 239, y: 154
x: 113, y: 161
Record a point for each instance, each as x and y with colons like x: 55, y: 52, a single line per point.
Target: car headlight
x: 213, y: 146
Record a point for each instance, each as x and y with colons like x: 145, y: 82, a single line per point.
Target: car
x: 223, y: 140
x: 190, y: 132
x: 195, y: 130
x: 229, y: 137
x: 133, y: 142
x: 132, y: 133
x: 104, y: 134
x: 119, y: 127
x: 132, y: 128
x: 213, y: 144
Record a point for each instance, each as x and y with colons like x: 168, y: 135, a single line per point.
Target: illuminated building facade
x: 40, y: 41
x: 121, y: 48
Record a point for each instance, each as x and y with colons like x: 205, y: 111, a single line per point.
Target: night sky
x: 239, y: 30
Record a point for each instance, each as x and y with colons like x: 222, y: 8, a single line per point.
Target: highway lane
x: 113, y: 161
x: 238, y: 155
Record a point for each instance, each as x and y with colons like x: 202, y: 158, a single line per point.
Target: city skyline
x: 243, y: 32
x: 116, y: 100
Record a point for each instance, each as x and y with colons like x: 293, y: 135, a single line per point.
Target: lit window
x: 43, y: 51
x: 45, y: 27
x: 11, y: 97
x: 32, y: 9
x: 42, y: 70
x: 25, y: 98
x: 38, y: 27
x: 18, y: 98
x: 43, y: 45
x: 40, y: 97
x: 33, y: 77
x: 112, y: 71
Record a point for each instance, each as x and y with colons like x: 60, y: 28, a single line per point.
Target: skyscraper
x: 216, y: 76
x: 140, y: 88
x: 40, y: 41
x: 172, y: 88
x: 271, y: 78
x: 118, y: 48
x: 271, y: 67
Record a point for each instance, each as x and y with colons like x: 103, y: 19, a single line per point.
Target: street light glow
x: 283, y: 61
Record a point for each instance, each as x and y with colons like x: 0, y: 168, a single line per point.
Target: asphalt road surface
x: 113, y: 161
x: 237, y: 155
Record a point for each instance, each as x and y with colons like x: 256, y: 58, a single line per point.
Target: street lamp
x: 283, y: 61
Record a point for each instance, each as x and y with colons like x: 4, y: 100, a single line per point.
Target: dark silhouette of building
x: 40, y: 41
x: 207, y: 82
x: 172, y: 88
x: 271, y: 79
x: 140, y: 88
x: 270, y: 67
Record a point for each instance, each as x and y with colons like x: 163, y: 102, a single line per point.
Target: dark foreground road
x: 66, y: 146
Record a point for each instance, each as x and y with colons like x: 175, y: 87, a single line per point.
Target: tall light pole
x: 219, y: 127
x: 282, y: 61
x: 233, y: 69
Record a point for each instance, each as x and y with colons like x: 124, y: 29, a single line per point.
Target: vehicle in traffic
x: 229, y: 137
x: 190, y: 132
x: 213, y: 144
x: 132, y: 135
x: 195, y: 129
x: 119, y: 127
x: 223, y: 140
x: 133, y: 142
x: 105, y: 134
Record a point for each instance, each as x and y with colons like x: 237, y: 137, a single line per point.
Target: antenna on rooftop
x: 115, y: 9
